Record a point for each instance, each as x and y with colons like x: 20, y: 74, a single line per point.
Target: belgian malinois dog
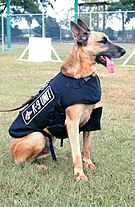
x: 75, y: 91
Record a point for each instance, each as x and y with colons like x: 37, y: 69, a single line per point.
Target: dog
x: 70, y: 111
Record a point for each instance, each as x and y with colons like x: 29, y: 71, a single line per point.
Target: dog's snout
x: 122, y: 51
x: 118, y: 52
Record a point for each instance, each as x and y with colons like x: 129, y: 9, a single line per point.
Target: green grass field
x: 111, y: 184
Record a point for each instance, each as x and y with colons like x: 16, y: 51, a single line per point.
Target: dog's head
x: 96, y: 44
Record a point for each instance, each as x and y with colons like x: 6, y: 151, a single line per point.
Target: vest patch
x: 38, y: 105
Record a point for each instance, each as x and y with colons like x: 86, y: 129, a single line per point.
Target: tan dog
x: 90, y: 48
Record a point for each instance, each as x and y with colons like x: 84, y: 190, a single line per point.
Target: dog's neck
x: 78, y: 63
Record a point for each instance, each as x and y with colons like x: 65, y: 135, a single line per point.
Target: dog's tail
x: 29, y: 101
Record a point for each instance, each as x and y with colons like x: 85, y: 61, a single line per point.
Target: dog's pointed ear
x: 83, y: 25
x: 79, y: 33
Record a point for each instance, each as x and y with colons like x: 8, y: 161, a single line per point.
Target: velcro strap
x: 51, y: 145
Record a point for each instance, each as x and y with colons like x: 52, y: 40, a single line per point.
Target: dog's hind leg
x: 27, y: 147
x: 87, y: 141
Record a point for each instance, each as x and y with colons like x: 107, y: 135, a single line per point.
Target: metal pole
x: 2, y: 22
x: 44, y: 4
x: 90, y: 24
x: 60, y: 33
x: 8, y: 25
x: 76, y: 11
x: 43, y: 24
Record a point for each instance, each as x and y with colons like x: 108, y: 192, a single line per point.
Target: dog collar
x: 88, y: 78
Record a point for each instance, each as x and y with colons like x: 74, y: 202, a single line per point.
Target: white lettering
x: 49, y: 95
x: 38, y: 104
x: 34, y: 109
x: 44, y: 98
x: 27, y: 116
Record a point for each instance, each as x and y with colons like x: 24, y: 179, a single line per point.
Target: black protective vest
x: 48, y: 109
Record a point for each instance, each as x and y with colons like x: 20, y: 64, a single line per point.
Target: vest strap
x: 51, y: 145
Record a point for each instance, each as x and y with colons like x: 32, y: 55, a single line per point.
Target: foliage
x: 15, y: 31
x: 2, y: 5
x: 30, y: 7
x: 110, y: 33
x: 23, y: 6
x: 124, y: 5
x: 52, y: 28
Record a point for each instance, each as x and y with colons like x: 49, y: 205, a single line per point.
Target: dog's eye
x: 103, y: 41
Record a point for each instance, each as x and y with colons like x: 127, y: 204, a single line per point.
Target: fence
x: 118, y: 25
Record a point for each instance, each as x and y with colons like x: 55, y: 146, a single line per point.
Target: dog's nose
x: 123, y: 51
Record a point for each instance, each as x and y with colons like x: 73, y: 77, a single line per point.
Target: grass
x: 111, y: 184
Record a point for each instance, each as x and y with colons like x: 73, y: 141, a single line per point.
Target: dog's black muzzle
x: 117, y: 52
x: 122, y: 51
x: 113, y: 52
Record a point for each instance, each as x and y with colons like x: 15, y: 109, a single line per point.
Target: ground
x: 111, y: 184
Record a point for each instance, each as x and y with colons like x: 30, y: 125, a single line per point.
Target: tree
x: 52, y: 28
x: 110, y: 32
x: 15, y: 31
x: 24, y: 6
x: 123, y: 5
x: 2, y: 6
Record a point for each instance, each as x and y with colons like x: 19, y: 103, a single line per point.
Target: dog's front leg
x: 87, y: 139
x: 73, y: 115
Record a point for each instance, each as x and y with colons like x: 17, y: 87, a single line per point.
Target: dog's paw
x: 79, y: 174
x: 89, y: 164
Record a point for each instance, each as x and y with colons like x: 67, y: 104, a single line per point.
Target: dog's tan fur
x: 81, y: 60
x: 79, y: 63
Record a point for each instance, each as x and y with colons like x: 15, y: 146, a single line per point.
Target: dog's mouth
x: 106, y: 61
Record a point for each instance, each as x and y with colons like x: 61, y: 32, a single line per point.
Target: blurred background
x: 20, y: 20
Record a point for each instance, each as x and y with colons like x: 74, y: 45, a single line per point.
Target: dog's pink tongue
x: 109, y: 65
